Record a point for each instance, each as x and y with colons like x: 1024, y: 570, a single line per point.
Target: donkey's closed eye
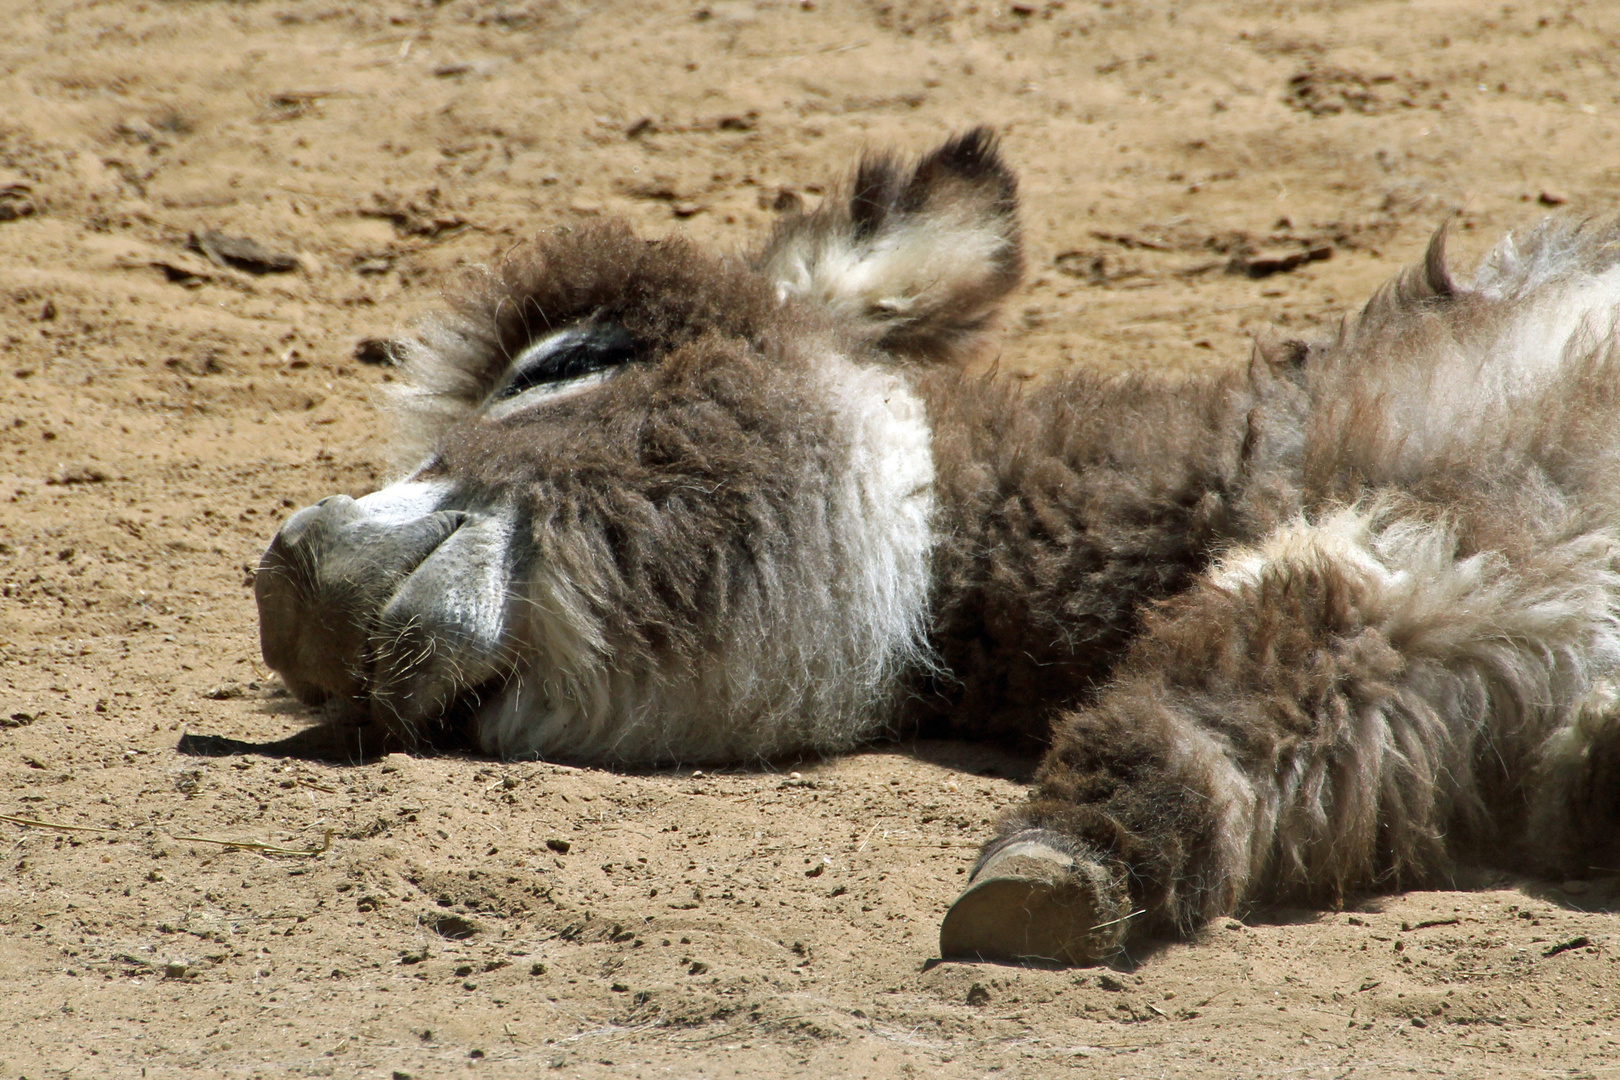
x: 568, y: 354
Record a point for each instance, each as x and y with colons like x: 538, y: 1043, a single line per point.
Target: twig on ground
x: 36, y: 823
x: 263, y: 848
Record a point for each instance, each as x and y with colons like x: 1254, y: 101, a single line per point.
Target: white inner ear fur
x: 910, y: 264
x: 814, y: 661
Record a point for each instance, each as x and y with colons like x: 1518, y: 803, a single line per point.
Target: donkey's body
x: 686, y: 509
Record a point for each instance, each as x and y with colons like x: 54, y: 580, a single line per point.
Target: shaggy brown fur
x: 665, y: 294
x: 1327, y: 623
x: 1418, y: 668
x: 1065, y: 508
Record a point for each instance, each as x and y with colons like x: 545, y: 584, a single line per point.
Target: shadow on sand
x: 336, y: 740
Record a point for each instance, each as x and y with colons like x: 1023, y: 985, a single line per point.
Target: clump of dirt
x: 1328, y: 90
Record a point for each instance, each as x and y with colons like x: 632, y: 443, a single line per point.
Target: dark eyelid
x: 595, y: 347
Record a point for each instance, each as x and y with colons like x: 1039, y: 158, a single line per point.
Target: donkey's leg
x: 1572, y: 795
x: 1332, y: 711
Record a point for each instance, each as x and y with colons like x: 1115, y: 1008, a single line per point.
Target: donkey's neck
x: 1063, y: 508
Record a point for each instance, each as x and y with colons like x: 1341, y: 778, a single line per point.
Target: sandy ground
x: 163, y: 408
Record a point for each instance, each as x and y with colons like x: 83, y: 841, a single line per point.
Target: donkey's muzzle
x: 392, y: 614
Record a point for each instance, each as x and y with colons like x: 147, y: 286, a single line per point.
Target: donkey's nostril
x: 323, y: 581
x: 294, y: 530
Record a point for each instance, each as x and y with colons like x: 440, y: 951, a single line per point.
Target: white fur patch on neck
x: 813, y: 660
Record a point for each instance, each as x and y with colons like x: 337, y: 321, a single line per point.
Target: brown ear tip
x: 1280, y: 353
x: 981, y: 138
x: 975, y: 152
x: 1436, y: 266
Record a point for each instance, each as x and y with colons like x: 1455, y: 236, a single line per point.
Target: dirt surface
x: 205, y: 207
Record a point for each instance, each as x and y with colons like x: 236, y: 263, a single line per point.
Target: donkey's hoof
x: 1030, y: 901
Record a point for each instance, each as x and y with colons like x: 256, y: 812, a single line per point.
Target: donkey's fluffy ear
x: 917, y: 258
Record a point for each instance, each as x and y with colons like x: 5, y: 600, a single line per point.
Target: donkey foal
x: 1328, y: 622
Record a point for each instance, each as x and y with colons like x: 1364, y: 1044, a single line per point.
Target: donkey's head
x: 673, y: 506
